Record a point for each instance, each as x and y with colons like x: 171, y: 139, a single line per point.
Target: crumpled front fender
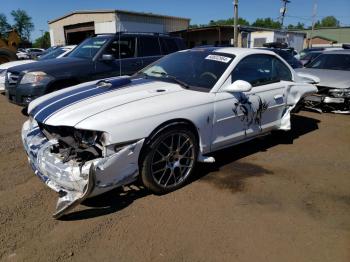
x: 294, y: 94
x: 74, y: 181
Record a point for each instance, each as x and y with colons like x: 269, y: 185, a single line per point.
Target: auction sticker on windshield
x: 219, y: 58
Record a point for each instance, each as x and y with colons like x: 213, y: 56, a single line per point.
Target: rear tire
x: 169, y: 160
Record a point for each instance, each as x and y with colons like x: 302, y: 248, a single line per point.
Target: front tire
x: 169, y: 159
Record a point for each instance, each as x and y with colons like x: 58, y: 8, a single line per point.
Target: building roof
x: 324, y: 38
x: 115, y: 11
x: 240, y: 27
x: 338, y: 34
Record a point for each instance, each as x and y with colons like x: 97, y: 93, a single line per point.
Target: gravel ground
x: 272, y: 199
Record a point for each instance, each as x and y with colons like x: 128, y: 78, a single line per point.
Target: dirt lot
x: 267, y: 200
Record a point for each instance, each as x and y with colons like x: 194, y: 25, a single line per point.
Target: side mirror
x: 107, y: 57
x: 238, y: 86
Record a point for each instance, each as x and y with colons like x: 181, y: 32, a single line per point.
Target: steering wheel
x: 208, y: 74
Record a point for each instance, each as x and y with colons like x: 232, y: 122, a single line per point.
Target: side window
x: 168, y: 45
x: 281, y: 71
x: 149, y: 46
x: 123, y: 48
x: 255, y: 69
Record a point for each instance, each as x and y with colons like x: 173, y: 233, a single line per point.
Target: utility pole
x: 235, y: 10
x: 283, y: 11
x: 314, y: 14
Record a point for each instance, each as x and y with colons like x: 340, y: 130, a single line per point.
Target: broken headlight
x: 345, y: 92
x: 86, y: 138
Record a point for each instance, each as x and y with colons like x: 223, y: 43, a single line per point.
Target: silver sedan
x: 333, y: 70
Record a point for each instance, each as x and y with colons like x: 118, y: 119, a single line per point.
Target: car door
x: 148, y: 49
x: 243, y: 115
x: 124, y: 58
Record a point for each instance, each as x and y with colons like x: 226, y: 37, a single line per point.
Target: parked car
x: 56, y: 53
x: 50, y: 49
x: 4, y: 67
x: 33, y: 53
x: 22, y: 54
x: 306, y: 51
x: 90, y: 138
x: 95, y: 58
x: 333, y: 70
x: 309, y: 57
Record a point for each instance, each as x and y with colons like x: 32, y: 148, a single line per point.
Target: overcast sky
x: 199, y: 11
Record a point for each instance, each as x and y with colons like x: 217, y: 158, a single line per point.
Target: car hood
x: 52, y: 66
x: 329, y: 78
x: 128, y: 99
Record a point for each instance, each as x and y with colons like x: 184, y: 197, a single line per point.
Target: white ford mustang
x: 87, y: 139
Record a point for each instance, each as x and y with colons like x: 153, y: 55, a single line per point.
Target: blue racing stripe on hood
x: 55, y: 104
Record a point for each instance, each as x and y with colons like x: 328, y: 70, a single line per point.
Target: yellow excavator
x: 8, y: 47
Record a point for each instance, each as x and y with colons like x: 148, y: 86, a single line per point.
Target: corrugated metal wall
x: 113, y: 22
x: 158, y: 24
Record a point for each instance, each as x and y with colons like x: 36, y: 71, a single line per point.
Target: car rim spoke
x: 169, y: 165
x: 162, y: 175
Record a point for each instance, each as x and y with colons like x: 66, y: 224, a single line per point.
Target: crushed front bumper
x: 74, y: 181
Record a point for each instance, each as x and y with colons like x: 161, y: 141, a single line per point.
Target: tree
x: 230, y: 21
x: 266, y: 23
x: 23, y: 23
x: 298, y: 26
x: 329, y: 21
x: 43, y: 41
x: 4, y: 25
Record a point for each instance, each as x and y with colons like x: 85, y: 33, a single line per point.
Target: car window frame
x: 117, y: 38
x: 272, y: 56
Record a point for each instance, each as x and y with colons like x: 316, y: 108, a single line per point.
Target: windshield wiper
x: 142, y: 74
x: 174, y: 78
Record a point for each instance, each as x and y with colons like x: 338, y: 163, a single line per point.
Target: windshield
x: 192, y: 68
x: 331, y: 62
x: 53, y: 54
x: 89, y: 47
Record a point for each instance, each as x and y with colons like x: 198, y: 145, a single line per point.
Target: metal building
x: 76, y: 26
x: 248, y: 36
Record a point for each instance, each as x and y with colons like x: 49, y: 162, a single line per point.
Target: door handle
x: 276, y: 97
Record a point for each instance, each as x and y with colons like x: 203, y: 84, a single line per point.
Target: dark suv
x: 97, y: 57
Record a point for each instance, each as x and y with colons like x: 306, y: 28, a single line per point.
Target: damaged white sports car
x: 87, y: 139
